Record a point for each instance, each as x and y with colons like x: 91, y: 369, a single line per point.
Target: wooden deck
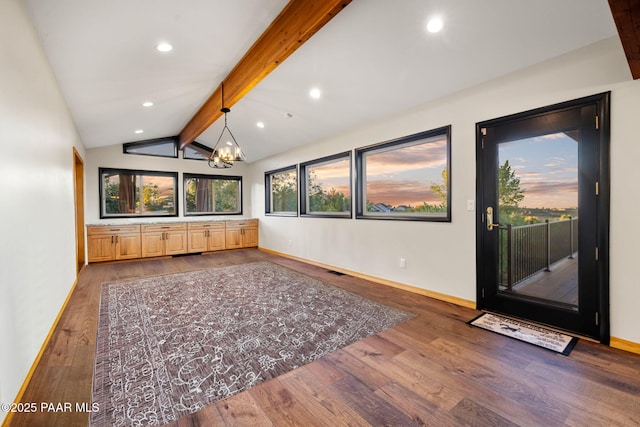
x: 560, y: 284
x: 432, y: 370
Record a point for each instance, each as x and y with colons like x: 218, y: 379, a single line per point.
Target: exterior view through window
x: 327, y: 186
x: 212, y: 194
x: 538, y: 205
x: 406, y: 179
x: 126, y: 193
x: 282, y: 191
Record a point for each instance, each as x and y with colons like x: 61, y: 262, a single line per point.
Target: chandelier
x: 226, y: 151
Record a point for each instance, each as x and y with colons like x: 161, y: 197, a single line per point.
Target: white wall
x: 37, y: 244
x: 112, y: 157
x: 441, y: 256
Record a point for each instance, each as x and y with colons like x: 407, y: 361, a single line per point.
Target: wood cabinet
x: 163, y: 239
x: 108, y: 243
x: 241, y: 234
x: 206, y: 236
x: 131, y: 241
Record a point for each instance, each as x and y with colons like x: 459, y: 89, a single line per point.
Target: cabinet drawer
x: 152, y: 228
x: 111, y: 229
x: 219, y: 225
x: 243, y: 223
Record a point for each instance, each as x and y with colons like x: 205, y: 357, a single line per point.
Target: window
x: 161, y: 147
x: 281, y: 190
x: 407, y: 178
x: 326, y: 186
x: 129, y: 193
x: 212, y: 195
x: 196, y: 151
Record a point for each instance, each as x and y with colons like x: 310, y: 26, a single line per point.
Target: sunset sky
x: 398, y: 177
x: 547, y: 167
x: 404, y: 176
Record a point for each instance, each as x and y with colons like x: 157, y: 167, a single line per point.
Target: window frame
x: 402, y: 142
x: 199, y: 145
x: 149, y: 143
x: 187, y: 175
x: 302, y: 179
x: 268, y: 210
x: 136, y: 172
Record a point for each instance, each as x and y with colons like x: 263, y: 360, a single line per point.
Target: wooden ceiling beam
x: 626, y: 14
x: 297, y: 22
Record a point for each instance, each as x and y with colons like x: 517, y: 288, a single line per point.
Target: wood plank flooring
x: 431, y: 370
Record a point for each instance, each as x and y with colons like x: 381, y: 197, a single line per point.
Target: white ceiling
x: 375, y: 58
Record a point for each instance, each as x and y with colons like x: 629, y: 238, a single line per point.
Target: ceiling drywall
x: 374, y: 59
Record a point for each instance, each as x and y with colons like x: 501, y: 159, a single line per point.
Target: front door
x: 542, y: 230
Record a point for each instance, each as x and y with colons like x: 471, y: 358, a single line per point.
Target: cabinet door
x: 152, y: 244
x: 198, y: 241
x: 127, y: 246
x: 217, y: 239
x: 233, y: 239
x: 175, y: 242
x: 250, y: 237
x: 100, y: 247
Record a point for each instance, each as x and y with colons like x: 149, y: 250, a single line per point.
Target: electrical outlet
x: 403, y: 263
x: 290, y: 243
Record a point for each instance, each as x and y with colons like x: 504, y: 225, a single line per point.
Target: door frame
x: 78, y: 200
x: 602, y: 104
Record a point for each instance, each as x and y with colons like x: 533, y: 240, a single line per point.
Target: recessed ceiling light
x: 260, y: 125
x: 435, y: 25
x: 147, y: 104
x: 164, y: 47
x: 139, y: 131
x: 315, y: 93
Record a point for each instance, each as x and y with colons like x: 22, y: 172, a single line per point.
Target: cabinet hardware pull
x: 113, y: 239
x: 115, y: 229
x: 116, y: 239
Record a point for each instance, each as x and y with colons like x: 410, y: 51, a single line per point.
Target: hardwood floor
x: 432, y: 370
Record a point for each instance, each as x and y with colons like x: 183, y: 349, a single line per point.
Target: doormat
x: 527, y: 332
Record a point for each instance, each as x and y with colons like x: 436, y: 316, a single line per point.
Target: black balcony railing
x: 528, y: 249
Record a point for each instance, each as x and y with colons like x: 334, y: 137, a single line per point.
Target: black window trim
x: 360, y: 177
x: 199, y: 145
x: 302, y: 180
x: 151, y: 142
x: 267, y: 191
x: 176, y: 197
x: 187, y: 175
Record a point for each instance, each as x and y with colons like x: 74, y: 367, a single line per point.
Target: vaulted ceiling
x: 373, y: 59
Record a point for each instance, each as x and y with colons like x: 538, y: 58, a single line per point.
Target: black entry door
x: 543, y: 215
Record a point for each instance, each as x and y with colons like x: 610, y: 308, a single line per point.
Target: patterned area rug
x: 169, y: 345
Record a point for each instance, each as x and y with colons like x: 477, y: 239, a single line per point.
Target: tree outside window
x: 281, y: 189
x: 326, y: 186
x: 129, y: 193
x: 212, y: 194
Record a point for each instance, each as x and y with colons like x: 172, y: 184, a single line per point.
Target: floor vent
x: 337, y: 273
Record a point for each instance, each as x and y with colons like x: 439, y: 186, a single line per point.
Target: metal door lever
x: 490, y: 223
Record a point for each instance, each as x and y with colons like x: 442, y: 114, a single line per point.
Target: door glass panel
x: 538, y: 217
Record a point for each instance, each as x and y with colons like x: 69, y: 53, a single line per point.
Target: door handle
x: 490, y: 223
